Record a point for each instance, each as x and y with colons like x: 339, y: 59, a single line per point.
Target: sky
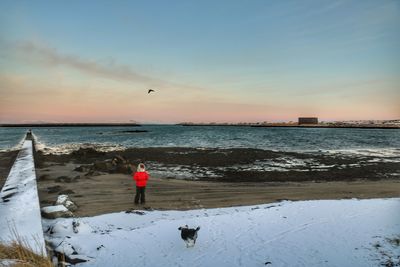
x: 208, y: 61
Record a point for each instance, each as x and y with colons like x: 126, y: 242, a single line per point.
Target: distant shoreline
x: 300, y: 126
x: 329, y: 126
x: 72, y: 125
x: 344, y: 126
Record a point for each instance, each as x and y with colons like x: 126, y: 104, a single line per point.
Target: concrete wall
x: 19, y: 203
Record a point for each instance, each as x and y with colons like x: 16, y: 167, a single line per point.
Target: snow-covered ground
x: 305, y: 233
x: 19, y: 203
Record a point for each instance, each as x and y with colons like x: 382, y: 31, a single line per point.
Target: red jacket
x: 141, y: 178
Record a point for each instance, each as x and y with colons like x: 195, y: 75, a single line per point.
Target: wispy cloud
x: 52, y: 57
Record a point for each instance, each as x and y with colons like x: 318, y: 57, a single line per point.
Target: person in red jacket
x: 141, y: 177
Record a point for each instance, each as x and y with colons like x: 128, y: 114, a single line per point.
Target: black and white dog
x: 189, y: 235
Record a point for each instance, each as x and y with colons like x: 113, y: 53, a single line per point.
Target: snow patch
x: 57, y: 208
x: 304, y: 233
x: 67, y: 202
x: 19, y: 204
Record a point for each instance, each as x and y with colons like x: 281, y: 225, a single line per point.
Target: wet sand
x: 108, y: 193
x: 241, y: 164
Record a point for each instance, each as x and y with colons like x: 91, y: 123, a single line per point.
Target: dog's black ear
x: 180, y: 228
x: 198, y: 228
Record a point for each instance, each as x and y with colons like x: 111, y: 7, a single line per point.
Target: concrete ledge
x: 19, y: 203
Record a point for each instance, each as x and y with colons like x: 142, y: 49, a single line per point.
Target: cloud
x: 43, y: 54
x: 53, y: 57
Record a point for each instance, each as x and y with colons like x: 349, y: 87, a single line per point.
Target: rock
x: 82, y: 168
x: 119, y: 159
x: 84, y: 153
x: 136, y: 212
x: 93, y: 173
x: 67, y: 202
x: 62, y: 263
x: 46, y: 201
x: 121, y: 165
x: 65, y: 248
x: 126, y: 169
x: 75, y: 259
x: 44, y: 177
x: 59, y: 228
x: 118, y: 164
x: 103, y: 166
x: 66, y: 192
x: 53, y: 189
x: 63, y: 179
x: 53, y: 212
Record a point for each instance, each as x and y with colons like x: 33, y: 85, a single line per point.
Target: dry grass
x: 21, y: 254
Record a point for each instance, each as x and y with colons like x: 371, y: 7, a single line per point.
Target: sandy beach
x: 99, y: 192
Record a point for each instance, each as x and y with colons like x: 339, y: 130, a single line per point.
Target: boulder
x: 67, y: 202
x: 63, y: 179
x: 103, y: 166
x: 82, y: 168
x: 65, y: 251
x: 53, y: 189
x: 75, y: 259
x: 118, y: 164
x: 66, y: 192
x: 53, y: 212
x: 93, y: 173
x: 85, y: 153
x: 121, y: 165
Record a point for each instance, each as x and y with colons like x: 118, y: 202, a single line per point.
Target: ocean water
x: 364, y: 147
x: 11, y: 138
x: 384, y: 142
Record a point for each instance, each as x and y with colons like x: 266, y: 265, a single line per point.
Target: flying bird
x: 150, y: 90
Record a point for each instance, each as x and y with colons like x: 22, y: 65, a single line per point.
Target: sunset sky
x: 208, y: 61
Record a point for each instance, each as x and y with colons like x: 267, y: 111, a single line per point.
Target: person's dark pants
x: 140, y: 194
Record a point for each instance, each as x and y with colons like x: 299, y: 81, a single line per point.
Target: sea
x: 374, y: 151
x: 59, y: 140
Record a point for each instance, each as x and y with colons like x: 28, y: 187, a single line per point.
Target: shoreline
x: 236, y: 164
x: 83, y: 175
x: 329, y: 126
x: 284, y: 125
x: 108, y: 193
x: 71, y: 125
x: 255, y: 125
x: 97, y: 191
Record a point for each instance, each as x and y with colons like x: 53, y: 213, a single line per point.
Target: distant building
x: 308, y: 120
